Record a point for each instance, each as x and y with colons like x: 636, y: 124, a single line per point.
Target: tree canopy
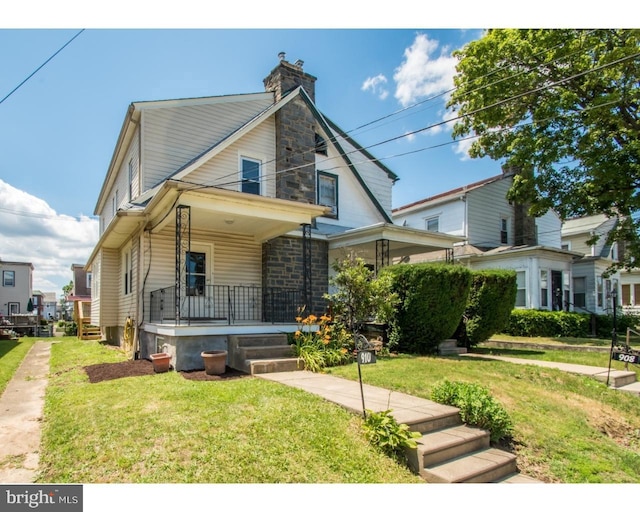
x: 560, y: 107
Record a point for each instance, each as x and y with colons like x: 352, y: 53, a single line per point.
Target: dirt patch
x: 140, y: 367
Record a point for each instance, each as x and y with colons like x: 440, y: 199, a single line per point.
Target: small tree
x: 360, y: 295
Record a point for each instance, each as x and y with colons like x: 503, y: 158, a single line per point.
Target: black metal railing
x: 230, y: 304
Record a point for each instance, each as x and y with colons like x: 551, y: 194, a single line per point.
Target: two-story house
x: 499, y: 234
x: 592, y: 286
x: 221, y: 216
x: 16, y: 288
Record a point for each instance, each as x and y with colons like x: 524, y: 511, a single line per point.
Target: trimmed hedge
x: 491, y: 300
x: 530, y: 323
x: 433, y: 297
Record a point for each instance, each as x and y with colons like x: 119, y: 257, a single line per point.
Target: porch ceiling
x: 231, y: 212
x: 403, y: 241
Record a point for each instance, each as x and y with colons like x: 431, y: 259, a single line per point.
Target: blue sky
x: 58, y: 130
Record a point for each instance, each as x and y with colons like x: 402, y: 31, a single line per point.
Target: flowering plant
x: 320, y: 343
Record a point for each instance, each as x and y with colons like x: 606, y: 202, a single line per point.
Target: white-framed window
x: 8, y: 278
x: 504, y: 231
x: 599, y: 292
x: 521, y: 293
x: 580, y: 292
x: 197, y: 276
x: 127, y: 272
x: 544, y: 288
x: 89, y: 280
x: 130, y: 179
x: 328, y: 192
x: 432, y: 224
x: 250, y: 175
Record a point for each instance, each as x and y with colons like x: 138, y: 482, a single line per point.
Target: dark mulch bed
x: 109, y: 371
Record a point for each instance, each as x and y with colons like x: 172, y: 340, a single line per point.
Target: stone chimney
x: 295, y: 133
x: 525, y: 232
x: 286, y: 76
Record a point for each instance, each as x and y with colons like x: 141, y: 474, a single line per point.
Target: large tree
x: 560, y: 106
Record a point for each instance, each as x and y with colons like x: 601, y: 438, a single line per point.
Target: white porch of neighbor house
x: 207, y: 290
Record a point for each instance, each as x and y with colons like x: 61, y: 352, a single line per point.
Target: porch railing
x: 230, y: 304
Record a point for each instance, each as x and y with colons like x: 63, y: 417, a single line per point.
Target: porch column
x: 183, y: 246
x: 307, y: 289
x: 382, y: 254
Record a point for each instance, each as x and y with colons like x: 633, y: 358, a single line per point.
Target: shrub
x: 529, y: 322
x: 604, y: 324
x: 477, y: 407
x: 385, y: 433
x: 70, y: 329
x: 432, y: 298
x: 491, y: 300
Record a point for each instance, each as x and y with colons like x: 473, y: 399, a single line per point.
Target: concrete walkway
x: 406, y: 408
x: 618, y: 379
x: 21, y: 409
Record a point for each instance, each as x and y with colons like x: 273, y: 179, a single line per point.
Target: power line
x: 41, y: 66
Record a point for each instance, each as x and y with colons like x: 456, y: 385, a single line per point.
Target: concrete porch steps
x: 262, y: 353
x: 457, y: 453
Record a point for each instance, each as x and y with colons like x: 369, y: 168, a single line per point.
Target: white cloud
x: 375, y: 84
x: 421, y: 75
x: 31, y: 231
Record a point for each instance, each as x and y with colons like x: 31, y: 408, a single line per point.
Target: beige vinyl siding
x: 376, y: 179
x: 127, y: 303
x: 355, y: 208
x: 223, y: 170
x: 487, y: 205
x: 237, y: 259
x: 174, y: 136
x: 109, y: 270
x: 96, y: 275
x: 579, y: 244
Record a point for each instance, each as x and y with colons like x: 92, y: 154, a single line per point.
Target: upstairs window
x: 432, y: 224
x: 8, y: 278
x: 130, y: 180
x: 88, y: 280
x: 250, y: 176
x: 128, y: 273
x: 328, y: 192
x: 504, y: 231
x: 321, y: 145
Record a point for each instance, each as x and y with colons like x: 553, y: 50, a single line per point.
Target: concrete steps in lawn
x: 451, y: 452
x: 262, y: 353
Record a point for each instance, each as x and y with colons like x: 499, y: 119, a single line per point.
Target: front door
x: 195, y: 303
x: 556, y: 290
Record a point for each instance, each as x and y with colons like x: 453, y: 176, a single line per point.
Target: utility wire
x: 41, y: 66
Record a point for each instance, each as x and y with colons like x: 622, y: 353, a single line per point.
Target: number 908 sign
x: 626, y: 358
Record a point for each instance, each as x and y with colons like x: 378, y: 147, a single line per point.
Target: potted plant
x: 215, y: 361
x: 161, y: 362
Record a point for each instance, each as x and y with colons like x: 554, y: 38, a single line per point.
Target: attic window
x: 321, y: 145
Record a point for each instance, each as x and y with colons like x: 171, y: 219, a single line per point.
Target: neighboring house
x: 16, y: 287
x: 221, y: 216
x: 592, y: 286
x: 81, y: 282
x: 50, y: 306
x: 629, y: 297
x: 498, y: 234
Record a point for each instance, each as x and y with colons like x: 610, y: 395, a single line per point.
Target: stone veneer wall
x: 282, y: 267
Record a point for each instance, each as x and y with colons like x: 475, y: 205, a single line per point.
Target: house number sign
x: 366, y: 357
x: 626, y: 357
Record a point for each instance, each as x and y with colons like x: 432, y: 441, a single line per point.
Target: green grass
x: 567, y: 428
x: 12, y: 353
x: 167, y: 429
x: 164, y: 428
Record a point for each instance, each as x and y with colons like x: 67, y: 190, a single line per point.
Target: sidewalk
x: 21, y: 408
x: 406, y: 408
x: 618, y: 379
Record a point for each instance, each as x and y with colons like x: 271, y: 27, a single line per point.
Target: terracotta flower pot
x: 161, y: 362
x: 215, y: 361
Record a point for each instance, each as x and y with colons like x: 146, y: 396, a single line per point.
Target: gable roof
x: 329, y: 127
x: 451, y: 194
x: 584, y: 225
